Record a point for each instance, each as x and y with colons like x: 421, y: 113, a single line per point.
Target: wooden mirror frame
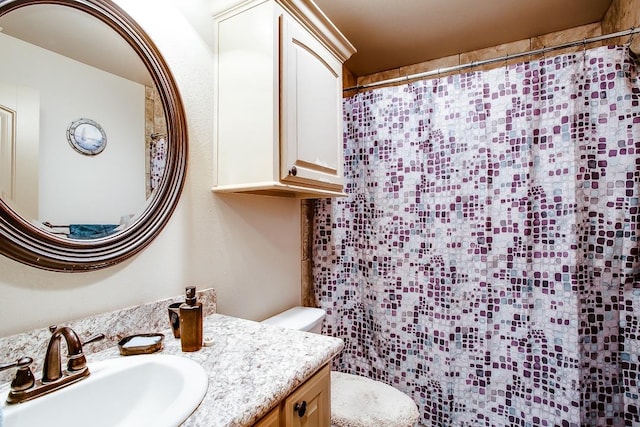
x: 24, y: 242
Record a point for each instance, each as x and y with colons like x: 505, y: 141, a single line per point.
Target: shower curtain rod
x: 629, y: 32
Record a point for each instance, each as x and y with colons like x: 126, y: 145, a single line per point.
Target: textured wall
x: 488, y: 53
x: 622, y: 15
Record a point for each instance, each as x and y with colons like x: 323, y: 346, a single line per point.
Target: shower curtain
x: 158, y: 161
x: 485, y: 261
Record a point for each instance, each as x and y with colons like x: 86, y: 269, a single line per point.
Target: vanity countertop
x: 251, y: 366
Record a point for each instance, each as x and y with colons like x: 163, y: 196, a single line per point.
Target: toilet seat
x: 361, y: 402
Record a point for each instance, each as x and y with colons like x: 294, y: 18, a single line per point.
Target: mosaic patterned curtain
x: 158, y: 160
x: 485, y: 261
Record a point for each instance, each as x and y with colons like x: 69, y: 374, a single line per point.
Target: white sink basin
x: 143, y: 390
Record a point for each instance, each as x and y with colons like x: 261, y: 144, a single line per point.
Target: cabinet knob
x: 293, y: 171
x: 301, y: 408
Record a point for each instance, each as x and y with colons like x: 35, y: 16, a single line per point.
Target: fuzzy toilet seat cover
x: 361, y: 402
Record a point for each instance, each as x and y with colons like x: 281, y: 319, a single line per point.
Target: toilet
x: 356, y: 401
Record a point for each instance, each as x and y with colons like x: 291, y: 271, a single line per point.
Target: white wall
x: 246, y: 247
x: 74, y: 187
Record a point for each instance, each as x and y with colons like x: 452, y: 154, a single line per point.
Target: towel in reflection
x: 90, y: 231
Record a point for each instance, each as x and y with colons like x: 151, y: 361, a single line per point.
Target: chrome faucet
x: 24, y: 387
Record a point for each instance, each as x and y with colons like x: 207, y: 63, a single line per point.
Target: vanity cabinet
x: 278, y: 101
x: 272, y: 419
x: 307, y: 406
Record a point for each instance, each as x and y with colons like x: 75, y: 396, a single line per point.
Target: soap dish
x: 140, y: 344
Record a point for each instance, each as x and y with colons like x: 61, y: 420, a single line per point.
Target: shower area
x: 485, y: 261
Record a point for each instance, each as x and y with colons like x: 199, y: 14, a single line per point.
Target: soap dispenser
x: 191, y: 321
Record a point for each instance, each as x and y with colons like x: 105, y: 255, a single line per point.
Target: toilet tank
x: 307, y: 319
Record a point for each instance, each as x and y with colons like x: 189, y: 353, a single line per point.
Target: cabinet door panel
x: 311, y: 85
x: 272, y: 419
x: 246, y: 115
x: 316, y: 398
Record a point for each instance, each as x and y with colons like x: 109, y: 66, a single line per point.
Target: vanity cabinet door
x: 310, y: 404
x: 311, y: 93
x: 272, y: 419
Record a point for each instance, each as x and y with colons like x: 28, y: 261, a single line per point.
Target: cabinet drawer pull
x: 301, y: 408
x: 293, y: 171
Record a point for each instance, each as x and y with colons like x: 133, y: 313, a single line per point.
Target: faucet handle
x: 79, y: 361
x: 93, y: 339
x: 24, y: 378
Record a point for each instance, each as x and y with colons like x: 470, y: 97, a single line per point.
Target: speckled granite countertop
x: 251, y: 367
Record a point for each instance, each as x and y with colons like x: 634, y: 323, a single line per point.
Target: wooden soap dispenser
x: 191, y: 321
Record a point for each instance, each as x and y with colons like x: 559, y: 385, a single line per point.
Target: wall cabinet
x: 278, y: 101
x: 308, y: 406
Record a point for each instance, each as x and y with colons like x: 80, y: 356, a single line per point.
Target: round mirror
x: 93, y: 141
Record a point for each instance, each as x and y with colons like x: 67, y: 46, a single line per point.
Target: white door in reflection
x: 19, y: 176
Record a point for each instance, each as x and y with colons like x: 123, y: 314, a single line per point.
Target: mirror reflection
x: 62, y: 67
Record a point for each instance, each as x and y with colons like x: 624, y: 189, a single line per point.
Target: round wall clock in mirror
x: 72, y: 213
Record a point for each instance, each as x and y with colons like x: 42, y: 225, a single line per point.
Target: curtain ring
x: 506, y: 66
x: 631, y: 34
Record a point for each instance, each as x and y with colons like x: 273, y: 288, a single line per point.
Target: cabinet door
x: 311, y: 110
x: 310, y: 404
x: 272, y: 419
